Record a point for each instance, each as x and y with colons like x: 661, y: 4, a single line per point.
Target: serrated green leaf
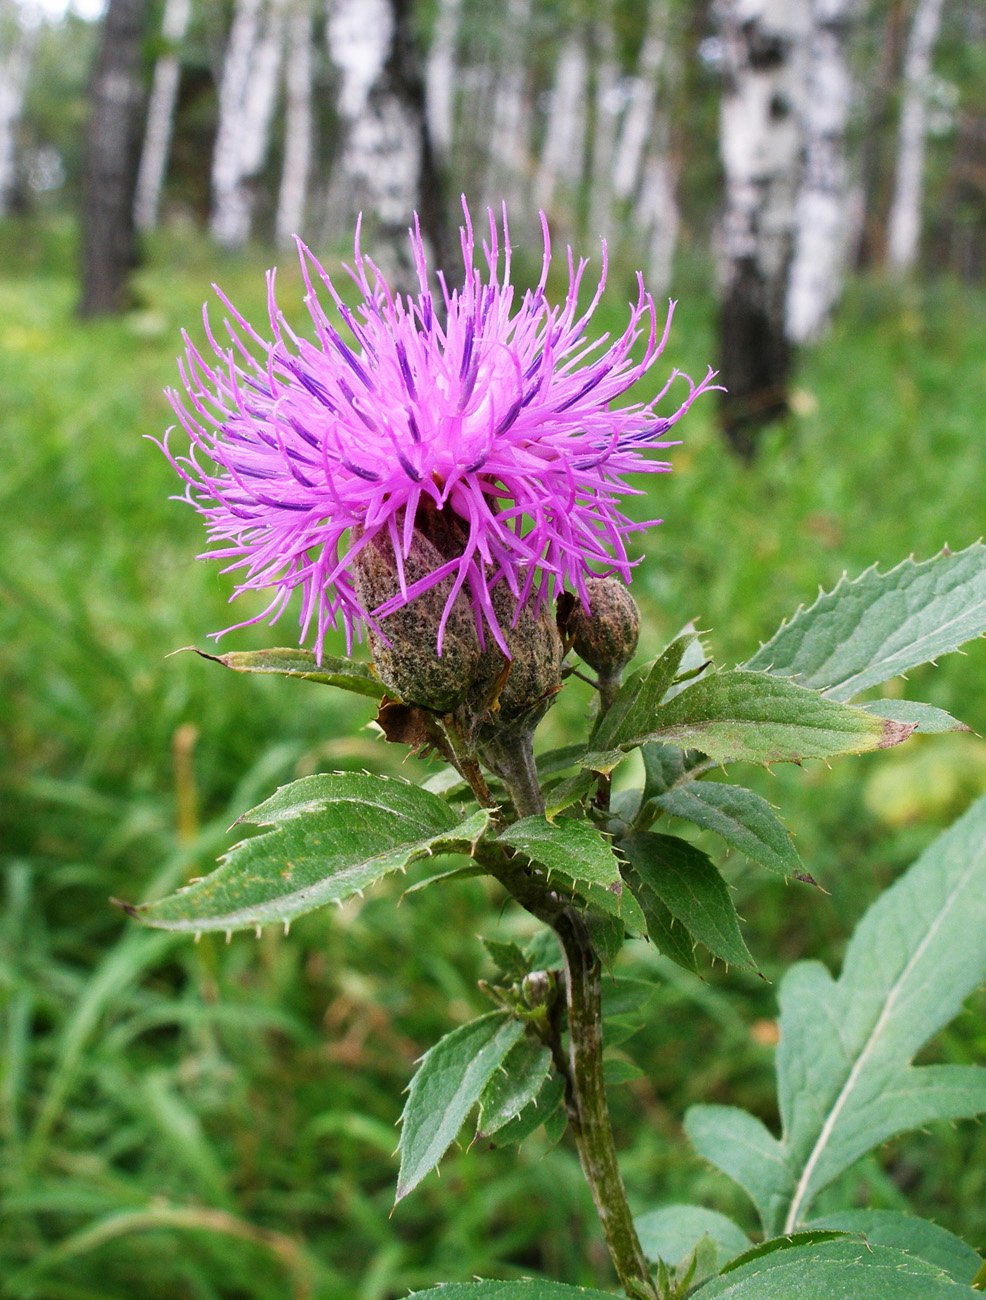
x: 608, y: 935
x: 637, y: 698
x: 567, y: 792
x: 692, y: 890
x: 666, y: 767
x: 756, y: 718
x: 881, y: 624
x: 508, y: 958
x: 845, y: 1078
x: 524, y: 1289
x: 616, y: 1070
x: 514, y: 1085
x: 541, y: 1110
x: 581, y: 856
x: 669, y: 937
x: 742, y: 818
x: 332, y: 835
x: 928, y: 1241
x: 926, y: 717
x: 553, y: 761
x: 672, y: 1232
x: 743, y: 1148
x: 840, y: 1269
x: 449, y: 1081
x: 347, y: 674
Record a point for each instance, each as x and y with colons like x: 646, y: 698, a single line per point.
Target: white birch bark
x: 658, y: 213
x: 564, y: 137
x: 247, y: 98
x: 160, y: 116
x: 638, y: 120
x: 904, y: 225
x: 510, y: 128
x: 381, y: 154
x: 823, y: 218
x: 15, y: 66
x: 760, y: 142
x: 440, y: 75
x: 606, y: 112
x: 386, y: 165
x: 298, y: 125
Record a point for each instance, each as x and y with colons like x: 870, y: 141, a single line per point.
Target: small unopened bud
x: 538, y: 988
x: 410, y: 666
x: 604, y: 635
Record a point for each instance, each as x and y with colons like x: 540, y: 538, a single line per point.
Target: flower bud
x: 604, y: 635
x: 410, y: 666
x: 534, y: 675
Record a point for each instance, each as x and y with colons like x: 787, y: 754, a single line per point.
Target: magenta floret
x: 302, y: 452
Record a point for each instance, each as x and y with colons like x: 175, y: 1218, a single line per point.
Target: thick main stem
x: 585, y: 1089
x: 587, y: 1106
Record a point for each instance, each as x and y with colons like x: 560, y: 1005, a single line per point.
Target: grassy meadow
x: 205, y: 1121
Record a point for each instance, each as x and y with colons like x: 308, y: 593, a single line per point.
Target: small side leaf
x: 742, y: 818
x: 525, y: 1289
x: 668, y: 936
x: 638, y: 697
x: 672, y: 1232
x: 918, y: 1237
x: 756, y: 718
x: 348, y: 674
x: 515, y: 1085
x: 450, y: 1080
x: 666, y: 767
x: 508, y: 958
x: 581, y: 857
x: 841, y: 1266
x: 542, y: 1109
x: 332, y: 835
x: 925, y: 717
x: 692, y: 890
x: 881, y: 624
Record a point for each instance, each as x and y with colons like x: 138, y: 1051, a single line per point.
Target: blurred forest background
x: 809, y: 178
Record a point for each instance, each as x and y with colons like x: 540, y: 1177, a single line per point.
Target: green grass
x: 213, y: 1121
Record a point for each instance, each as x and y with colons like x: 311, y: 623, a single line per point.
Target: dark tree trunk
x: 406, y: 73
x: 760, y: 144
x: 116, y: 100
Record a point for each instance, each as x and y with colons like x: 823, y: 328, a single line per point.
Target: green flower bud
x: 410, y: 666
x: 606, y: 634
x: 525, y: 686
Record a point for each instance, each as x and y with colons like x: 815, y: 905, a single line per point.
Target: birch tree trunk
x: 298, y: 125
x: 387, y: 161
x: 904, y: 227
x: 658, y: 212
x: 564, y: 136
x: 160, y: 116
x: 823, y: 217
x: 15, y: 66
x: 440, y: 76
x: 247, y: 99
x: 760, y: 143
x: 510, y: 128
x: 638, y: 121
x: 605, y: 117
x: 116, y: 100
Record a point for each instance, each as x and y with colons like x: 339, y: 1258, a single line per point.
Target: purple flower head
x: 302, y: 453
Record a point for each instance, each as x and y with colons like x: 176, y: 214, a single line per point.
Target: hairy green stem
x: 608, y: 684
x: 582, y: 1068
x: 588, y: 1110
x: 510, y: 754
